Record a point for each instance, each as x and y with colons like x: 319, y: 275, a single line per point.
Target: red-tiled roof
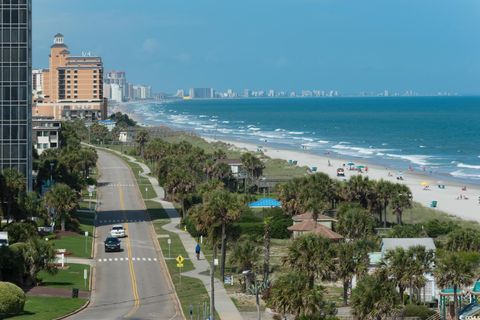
x: 318, y: 228
x: 309, y: 216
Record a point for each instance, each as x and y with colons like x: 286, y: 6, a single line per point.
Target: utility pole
x: 212, y: 283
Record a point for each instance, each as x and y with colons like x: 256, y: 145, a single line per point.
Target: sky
x: 428, y: 46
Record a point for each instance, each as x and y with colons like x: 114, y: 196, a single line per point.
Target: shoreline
x: 466, y: 209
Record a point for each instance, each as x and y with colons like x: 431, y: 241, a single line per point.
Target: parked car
x: 112, y: 244
x: 118, y: 231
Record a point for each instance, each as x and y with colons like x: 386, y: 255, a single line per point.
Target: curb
x: 74, y: 312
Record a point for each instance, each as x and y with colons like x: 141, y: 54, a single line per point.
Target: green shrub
x: 414, y: 310
x: 435, y: 228
x: 12, y: 299
x: 407, y: 231
x: 279, y: 227
x: 191, y: 228
x: 252, y: 229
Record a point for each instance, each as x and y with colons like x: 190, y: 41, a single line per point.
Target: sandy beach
x: 448, y: 199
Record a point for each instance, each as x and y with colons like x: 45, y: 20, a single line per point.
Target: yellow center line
x: 136, y: 299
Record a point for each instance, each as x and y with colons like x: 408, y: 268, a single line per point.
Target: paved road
x: 132, y: 283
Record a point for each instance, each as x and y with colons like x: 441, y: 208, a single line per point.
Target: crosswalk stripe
x: 121, y: 259
x: 116, y: 259
x: 109, y: 259
x: 144, y: 259
x: 154, y: 259
x: 133, y: 259
x: 149, y: 259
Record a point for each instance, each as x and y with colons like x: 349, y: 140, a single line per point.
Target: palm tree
x: 63, y: 200
x: 384, y: 192
x: 358, y: 188
x: 87, y: 158
x: 374, y: 297
x: 141, y: 139
x: 291, y: 294
x: 253, y: 165
x: 454, y: 270
x: 219, y: 209
x: 354, y: 222
x: 179, y: 184
x: 245, y: 256
x: 397, y: 264
x: 351, y: 259
x: 402, y: 199
x: 421, y: 263
x: 267, y: 238
x: 311, y: 255
x: 14, y: 186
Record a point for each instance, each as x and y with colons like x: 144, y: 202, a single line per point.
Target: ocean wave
x: 358, y: 150
x: 283, y: 130
x: 296, y: 132
x: 467, y: 166
x: 421, y: 160
x: 462, y: 174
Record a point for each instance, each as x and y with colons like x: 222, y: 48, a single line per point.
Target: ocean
x: 436, y: 135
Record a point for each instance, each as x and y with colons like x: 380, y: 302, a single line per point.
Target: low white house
x: 126, y: 136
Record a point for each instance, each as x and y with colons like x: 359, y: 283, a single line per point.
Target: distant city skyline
x: 349, y: 46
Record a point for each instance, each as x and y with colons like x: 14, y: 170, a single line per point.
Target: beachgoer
x: 197, y: 251
x: 366, y: 169
x: 329, y: 164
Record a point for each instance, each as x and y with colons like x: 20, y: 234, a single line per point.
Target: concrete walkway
x: 224, y: 306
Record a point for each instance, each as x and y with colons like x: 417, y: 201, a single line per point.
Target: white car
x: 118, y: 231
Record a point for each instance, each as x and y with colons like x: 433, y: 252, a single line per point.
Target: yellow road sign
x: 180, y: 259
x: 179, y: 265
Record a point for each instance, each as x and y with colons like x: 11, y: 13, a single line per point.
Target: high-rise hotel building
x: 15, y: 86
x: 72, y: 86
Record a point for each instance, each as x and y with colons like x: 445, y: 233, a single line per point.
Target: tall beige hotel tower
x: 72, y: 86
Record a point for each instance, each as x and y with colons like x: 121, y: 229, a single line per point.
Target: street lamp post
x: 51, y: 173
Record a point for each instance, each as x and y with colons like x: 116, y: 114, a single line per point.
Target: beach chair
x: 433, y: 204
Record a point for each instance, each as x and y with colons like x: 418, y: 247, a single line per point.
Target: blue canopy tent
x: 265, y: 203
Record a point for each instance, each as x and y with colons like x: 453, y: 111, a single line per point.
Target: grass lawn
x: 47, y: 308
x: 75, y: 244
x: 68, y: 278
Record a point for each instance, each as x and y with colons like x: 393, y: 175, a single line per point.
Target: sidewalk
x: 224, y: 306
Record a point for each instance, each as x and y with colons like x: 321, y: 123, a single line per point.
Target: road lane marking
x: 136, y: 299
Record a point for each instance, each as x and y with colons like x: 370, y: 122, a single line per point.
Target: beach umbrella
x: 351, y: 164
x: 360, y: 167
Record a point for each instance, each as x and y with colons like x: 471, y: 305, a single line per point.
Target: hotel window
x: 94, y: 76
x: 75, y: 97
x: 75, y: 71
x: 75, y: 77
x: 68, y: 97
x: 94, y: 91
x: 68, y: 76
x: 75, y: 81
x: 94, y: 81
x: 94, y: 86
x: 94, y: 71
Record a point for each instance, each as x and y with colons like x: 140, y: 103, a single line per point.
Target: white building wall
x: 115, y: 92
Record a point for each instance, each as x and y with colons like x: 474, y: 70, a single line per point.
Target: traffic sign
x: 179, y: 265
x: 180, y: 259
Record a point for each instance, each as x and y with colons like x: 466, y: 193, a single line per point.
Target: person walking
x: 197, y: 251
